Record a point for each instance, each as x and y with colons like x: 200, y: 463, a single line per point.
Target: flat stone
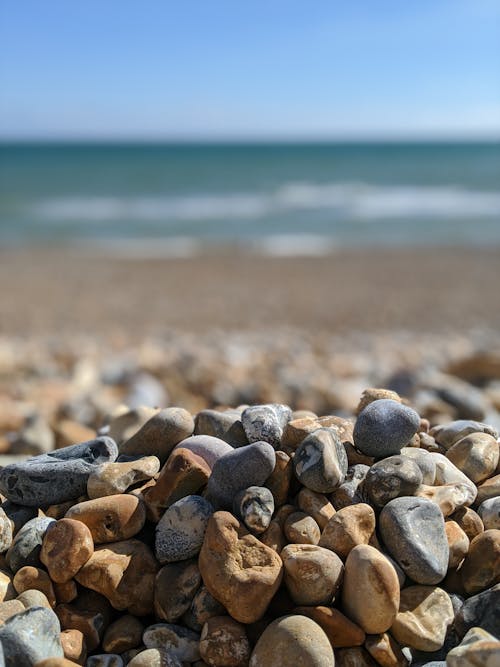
x: 300, y: 528
x: 351, y: 492
x: 385, y: 650
x: 349, y: 527
x: 316, y: 505
x: 489, y: 511
x: 111, y: 478
x: 458, y: 543
x: 339, y: 629
x: 203, y: 607
x: 370, y: 591
x: 67, y: 545
x: 74, y: 646
x: 255, y: 507
x: 124, y: 572
x: 175, y: 639
x: 320, y: 461
x: 425, y: 462
x: 55, y: 477
x: 123, y: 634
x: 111, y: 518
x: 175, y: 587
x: 447, y: 435
x: 481, y: 567
x: 413, y: 532
x: 226, y: 426
x: 237, y: 569
x: 34, y: 578
x: 159, y: 435
x: 224, y: 643
x: 392, y: 477
x: 243, y: 467
x: 279, y: 480
x: 265, y: 423
x: 384, y: 427
x: 31, y: 636
x: 27, y: 544
x: 312, y: 574
x: 424, y: 616
x: 181, y: 530
x: 293, y: 640
x: 481, y: 610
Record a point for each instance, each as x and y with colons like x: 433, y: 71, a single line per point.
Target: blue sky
x: 223, y: 69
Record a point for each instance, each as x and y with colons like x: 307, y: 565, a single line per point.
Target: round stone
x: 320, y: 461
x: 255, y: 507
x: 66, y: 546
x: 458, y: 543
x: 123, y: 634
x: 481, y: 567
x: 384, y: 427
x: 181, y: 530
x: 224, y: 643
x: 469, y: 521
x: 349, y: 527
x: 34, y: 578
x: 27, y: 544
x: 265, y: 422
x: 476, y: 456
x: 300, y: 528
x: 226, y: 426
x: 111, y: 518
x: 390, y: 478
x: 489, y: 511
x: 312, y: 574
x: 414, y: 533
x: 316, y: 505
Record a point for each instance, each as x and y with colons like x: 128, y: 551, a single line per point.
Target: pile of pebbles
x: 256, y: 536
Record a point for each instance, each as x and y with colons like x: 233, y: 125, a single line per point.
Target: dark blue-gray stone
x: 390, y: 478
x: 351, y: 491
x: 384, y: 427
x: 266, y: 422
x: 27, y: 544
x: 414, y: 534
x: 31, y: 636
x: 224, y: 425
x: 18, y: 514
x: 320, y: 461
x: 246, y: 466
x: 203, y: 607
x: 254, y: 506
x: 175, y: 587
x: 482, y: 611
x: 181, y: 530
x: 58, y: 476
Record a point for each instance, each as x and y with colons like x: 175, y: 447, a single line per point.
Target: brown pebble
x: 481, y: 567
x: 316, y: 505
x: 67, y: 545
x: 476, y: 455
x: 458, y: 543
x: 279, y: 480
x: 90, y: 623
x: 300, y: 528
x: 349, y: 527
x: 469, y: 521
x: 111, y: 519
x: 74, y: 646
x: 488, y: 489
x: 29, y: 577
x: 65, y: 592
x: 312, y: 574
x: 7, y: 590
x: 385, y: 650
x: 339, y: 629
x: 123, y: 634
x: 224, y: 643
x: 111, y: 478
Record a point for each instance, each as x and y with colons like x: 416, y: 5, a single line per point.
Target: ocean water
x: 281, y: 199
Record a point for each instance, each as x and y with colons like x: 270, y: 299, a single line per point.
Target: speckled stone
x: 424, y: 616
x: 312, y: 574
x: 320, y: 461
x: 316, y: 505
x: 339, y: 629
x: 390, y: 478
x: 31, y: 636
x: 224, y: 425
x: 300, y: 528
x: 155, y: 657
x: 66, y: 546
x: 265, y: 423
x: 384, y: 427
x: 255, y: 507
x: 27, y: 544
x: 481, y: 610
x: 175, y: 587
x: 489, y: 511
x: 349, y: 527
x: 425, y: 462
x: 293, y: 640
x: 448, y: 434
x: 243, y: 467
x: 203, y: 607
x: 413, y: 532
x: 481, y: 567
x: 224, y: 643
x: 175, y: 639
x: 351, y: 492
x: 55, y: 477
x: 370, y: 591
x: 180, y: 531
x: 110, y: 478
x: 111, y: 518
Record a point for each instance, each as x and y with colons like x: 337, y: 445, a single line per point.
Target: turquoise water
x: 282, y: 198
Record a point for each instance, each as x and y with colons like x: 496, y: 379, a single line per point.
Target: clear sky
x: 222, y: 69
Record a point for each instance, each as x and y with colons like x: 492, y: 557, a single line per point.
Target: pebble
x: 413, y: 532
x: 111, y: 518
x: 292, y: 640
x: 255, y: 507
x: 181, y: 530
x: 340, y: 630
x: 458, y: 543
x: 237, y: 569
x: 67, y: 545
x: 265, y: 423
x: 424, y: 616
x: 385, y: 650
x: 488, y: 489
x: 180, y: 642
x: 34, y: 578
x: 159, y: 435
x: 481, y: 567
x: 7, y: 590
x: 448, y: 497
x: 477, y: 648
x: 246, y: 466
x: 105, y: 660
x: 280, y: 479
x: 392, y: 477
x: 489, y: 511
x: 320, y: 461
x: 370, y: 591
x: 55, y: 477
x: 31, y: 636
x: 425, y: 462
x: 90, y: 623
x: 124, y: 424
x: 224, y: 643
x: 111, y: 478
x: 66, y: 592
x: 349, y: 527
x: 375, y: 394
x: 154, y: 657
x: 312, y: 575
x: 384, y: 427
x: 34, y: 598
x: 10, y: 608
x: 123, y: 634
x: 208, y: 447
x: 300, y: 528
x: 469, y: 521
x: 448, y: 434
x: 476, y: 456
x: 226, y: 426
x: 351, y: 491
x: 74, y: 646
x: 27, y: 544
x: 316, y: 505
x: 203, y: 607
x: 6, y: 533
x: 175, y: 587
x: 481, y: 610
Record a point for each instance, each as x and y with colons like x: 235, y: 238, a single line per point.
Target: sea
x: 168, y: 199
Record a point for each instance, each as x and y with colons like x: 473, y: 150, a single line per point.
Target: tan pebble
x: 348, y: 528
x: 29, y: 577
x: 370, y: 592
x: 111, y: 519
x: 7, y: 590
x: 385, y: 650
x: 283, y: 512
x: 9, y: 608
x: 340, y: 630
x: 6, y: 531
x: 316, y: 505
x: 375, y: 394
x: 155, y: 657
x: 355, y: 457
x: 238, y: 570
x: 425, y: 613
x: 67, y: 545
x: 458, y: 543
x: 68, y: 432
x: 469, y: 521
x: 125, y: 423
x: 481, y: 567
x: 279, y: 480
x: 354, y: 657
x: 488, y: 489
x: 74, y: 646
x: 312, y: 574
x: 183, y: 474
x: 274, y: 537
x: 124, y: 572
x: 65, y: 592
x: 477, y: 649
x: 448, y: 497
x: 34, y: 598
x: 109, y: 479
x: 476, y: 456
x: 300, y: 528
x: 90, y: 623
x: 59, y: 511
x: 123, y: 634
x: 299, y: 428
x: 224, y: 643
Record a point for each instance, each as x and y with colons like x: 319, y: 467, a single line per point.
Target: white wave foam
x: 345, y: 201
